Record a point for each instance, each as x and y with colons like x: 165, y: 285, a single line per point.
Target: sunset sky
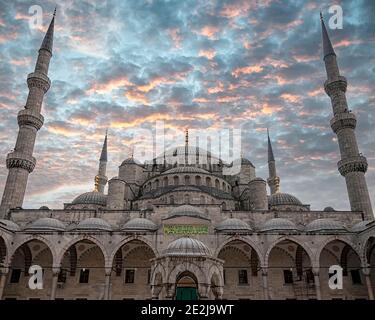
x: 123, y: 65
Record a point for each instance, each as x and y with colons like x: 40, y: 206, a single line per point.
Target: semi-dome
x: 324, y: 224
x: 246, y: 161
x: 186, y: 210
x: 93, y: 197
x: 93, y: 224
x: 327, y: 209
x: 9, y: 225
x: 233, y: 225
x: 278, y: 224
x: 187, y: 247
x: 283, y: 199
x: 46, y: 224
x: 139, y: 224
x: 186, y: 170
x: 360, y: 226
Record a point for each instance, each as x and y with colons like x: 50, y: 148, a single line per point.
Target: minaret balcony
x: 20, y: 160
x: 352, y: 164
x: 38, y: 80
x: 28, y: 117
x: 343, y: 121
x: 333, y: 86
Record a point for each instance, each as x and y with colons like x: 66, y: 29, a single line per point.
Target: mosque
x: 185, y: 230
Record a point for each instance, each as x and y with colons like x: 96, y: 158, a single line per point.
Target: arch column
x: 55, y: 275
x: 170, y: 291
x: 266, y: 295
x: 107, y: 286
x: 366, y: 273
x: 3, y: 276
x: 203, y: 289
x: 317, y: 284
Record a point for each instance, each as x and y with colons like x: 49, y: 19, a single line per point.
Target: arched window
x: 186, y: 198
x: 171, y: 199
x: 223, y: 186
x: 217, y: 184
x: 165, y: 182
x: 187, y: 180
x: 203, y: 200
x: 175, y: 180
x: 208, y: 182
x: 223, y: 206
x: 198, y: 180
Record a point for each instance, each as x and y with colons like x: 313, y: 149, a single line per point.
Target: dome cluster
x: 283, y: 199
x: 93, y: 197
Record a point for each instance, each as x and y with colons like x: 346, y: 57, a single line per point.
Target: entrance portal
x: 186, y: 287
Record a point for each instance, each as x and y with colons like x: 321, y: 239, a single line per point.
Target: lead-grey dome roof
x: 278, y: 224
x: 324, y: 224
x: 187, y: 247
x: 360, y: 226
x: 93, y: 224
x: 45, y: 224
x: 139, y: 224
x: 233, y: 224
x: 93, y: 197
x: 9, y: 225
x: 186, y: 170
x: 186, y: 210
x: 283, y: 199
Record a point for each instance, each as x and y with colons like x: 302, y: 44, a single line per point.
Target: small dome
x: 278, y: 224
x: 129, y: 161
x: 45, y: 224
x: 234, y: 225
x: 139, y: 224
x: 43, y: 208
x: 187, y: 247
x: 186, y: 210
x: 186, y: 170
x: 93, y: 197
x: 93, y: 224
x: 246, y: 161
x: 9, y: 225
x: 283, y: 199
x: 360, y: 226
x: 324, y: 225
x: 327, y: 209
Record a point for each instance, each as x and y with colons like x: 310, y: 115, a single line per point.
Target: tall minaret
x: 273, y: 180
x: 101, y: 179
x: 20, y: 162
x: 353, y: 164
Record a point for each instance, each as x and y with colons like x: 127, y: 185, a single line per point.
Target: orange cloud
x: 247, y: 70
x: 235, y: 10
x: 290, y: 97
x: 209, y: 54
x: 208, y: 31
x: 136, y: 96
x: 218, y: 88
x: 269, y: 109
x: 113, y: 84
x: 20, y: 62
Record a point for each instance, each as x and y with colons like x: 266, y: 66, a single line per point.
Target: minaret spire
x: 352, y: 165
x: 273, y: 180
x: 186, y: 146
x: 101, y: 178
x: 21, y: 162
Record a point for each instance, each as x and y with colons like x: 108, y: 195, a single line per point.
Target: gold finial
x: 186, y: 137
x: 54, y: 12
x: 321, y: 16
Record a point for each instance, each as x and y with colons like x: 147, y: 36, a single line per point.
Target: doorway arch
x: 186, y: 286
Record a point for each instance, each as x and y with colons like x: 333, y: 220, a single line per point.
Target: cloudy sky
x: 213, y: 64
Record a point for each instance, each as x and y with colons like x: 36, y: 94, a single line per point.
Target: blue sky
x: 123, y: 65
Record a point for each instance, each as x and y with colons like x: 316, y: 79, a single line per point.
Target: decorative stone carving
x: 38, y: 80
x: 18, y: 160
x: 352, y: 164
x: 332, y: 87
x: 343, y: 120
x: 30, y: 118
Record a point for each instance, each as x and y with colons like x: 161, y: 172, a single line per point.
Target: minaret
x: 186, y: 147
x: 273, y: 180
x: 20, y: 162
x: 353, y: 164
x: 101, y: 179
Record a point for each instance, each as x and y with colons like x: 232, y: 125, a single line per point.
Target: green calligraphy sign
x: 185, y: 229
